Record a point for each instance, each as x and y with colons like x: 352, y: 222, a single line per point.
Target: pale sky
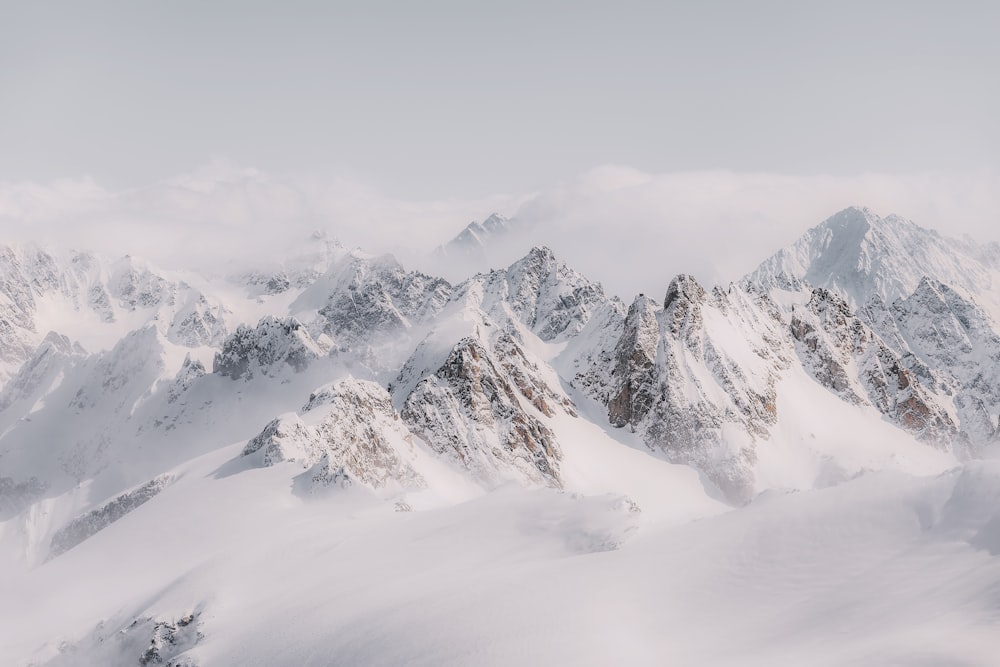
x: 437, y: 100
x: 642, y: 140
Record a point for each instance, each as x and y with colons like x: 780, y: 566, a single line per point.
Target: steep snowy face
x: 485, y: 409
x: 41, y: 372
x: 268, y: 349
x: 844, y: 355
x: 89, y: 299
x: 697, y: 378
x: 77, y: 405
x: 860, y: 255
x: 549, y: 298
x: 953, y: 347
x: 348, y: 433
x: 363, y: 299
x: 923, y: 348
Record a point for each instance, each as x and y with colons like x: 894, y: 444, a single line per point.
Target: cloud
x: 629, y: 229
x: 223, y: 215
x: 635, y: 231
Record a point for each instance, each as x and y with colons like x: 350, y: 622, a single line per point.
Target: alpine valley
x: 334, y: 460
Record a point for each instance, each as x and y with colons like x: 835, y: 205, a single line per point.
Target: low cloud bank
x: 629, y: 229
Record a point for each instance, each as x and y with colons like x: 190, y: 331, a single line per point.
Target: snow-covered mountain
x: 142, y: 406
x: 477, y: 236
x: 860, y: 255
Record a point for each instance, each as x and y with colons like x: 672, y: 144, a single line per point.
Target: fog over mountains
x: 334, y: 458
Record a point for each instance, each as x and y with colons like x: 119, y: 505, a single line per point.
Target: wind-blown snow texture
x: 331, y: 459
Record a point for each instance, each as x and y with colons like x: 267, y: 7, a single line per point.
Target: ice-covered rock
x: 348, y: 433
x: 860, y: 255
x: 268, y: 349
x: 847, y: 357
x: 697, y: 378
x: 87, y: 525
x: 473, y: 411
x: 362, y: 299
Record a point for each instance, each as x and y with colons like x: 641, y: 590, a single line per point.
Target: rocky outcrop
x: 473, y: 411
x: 549, y: 298
x: 636, y: 386
x: 191, y: 371
x: 268, y: 349
x: 87, y: 525
x: 847, y: 357
x: 145, y: 641
x: 285, y: 438
x: 697, y: 379
x: 951, y: 344
x: 348, y: 433
x: 364, y: 299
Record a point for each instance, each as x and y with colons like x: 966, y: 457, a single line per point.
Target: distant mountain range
x: 870, y: 343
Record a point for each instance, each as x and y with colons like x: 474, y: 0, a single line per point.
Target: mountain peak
x: 853, y: 221
x: 476, y: 235
x: 860, y: 256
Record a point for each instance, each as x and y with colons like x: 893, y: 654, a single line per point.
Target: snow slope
x: 883, y: 569
x: 332, y: 459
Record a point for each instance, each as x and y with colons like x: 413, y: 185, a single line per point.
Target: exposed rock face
x: 695, y: 375
x: 370, y: 297
x: 697, y: 379
x: 471, y: 410
x: 549, y: 298
x: 952, y: 346
x: 525, y: 375
x: 848, y: 358
x: 349, y: 433
x: 146, y: 641
x: 197, y: 322
x: 89, y: 524
x: 635, y: 365
x: 190, y: 372
x: 136, y: 286
x: 169, y: 640
x: 285, y: 438
x: 267, y: 349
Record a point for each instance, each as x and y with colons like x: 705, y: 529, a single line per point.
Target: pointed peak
x: 642, y: 306
x: 541, y: 252
x: 854, y: 221
x: 684, y: 287
x: 929, y: 289
x: 641, y: 298
x: 821, y: 299
x: 494, y: 222
x: 928, y: 283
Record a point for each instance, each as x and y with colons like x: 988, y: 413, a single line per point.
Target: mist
x: 630, y: 230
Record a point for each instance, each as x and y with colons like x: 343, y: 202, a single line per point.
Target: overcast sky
x: 466, y: 99
x: 711, y: 131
